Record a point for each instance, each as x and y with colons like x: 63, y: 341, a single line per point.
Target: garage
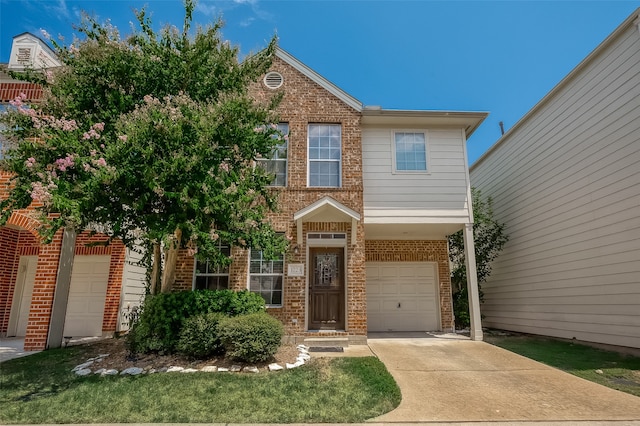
x: 402, y: 296
x: 87, y: 295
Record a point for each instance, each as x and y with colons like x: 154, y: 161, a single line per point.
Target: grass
x: 40, y: 388
x: 611, y: 369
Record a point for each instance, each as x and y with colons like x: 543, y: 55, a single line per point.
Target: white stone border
x: 84, y: 368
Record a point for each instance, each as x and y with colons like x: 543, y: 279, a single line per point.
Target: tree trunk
x: 171, y: 259
x: 156, y: 269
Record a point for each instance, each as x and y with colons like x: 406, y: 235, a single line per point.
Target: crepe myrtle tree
x: 151, y: 139
x: 489, y: 238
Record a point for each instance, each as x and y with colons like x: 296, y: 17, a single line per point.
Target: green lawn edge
x: 41, y: 388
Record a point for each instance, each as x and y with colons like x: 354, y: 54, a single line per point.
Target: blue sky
x: 496, y: 56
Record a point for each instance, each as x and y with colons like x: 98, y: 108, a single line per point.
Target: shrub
x: 199, y: 335
x: 251, y: 338
x: 159, y: 324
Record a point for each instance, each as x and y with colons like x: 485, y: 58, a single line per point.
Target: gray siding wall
x: 566, y: 182
x: 133, y: 288
x: 443, y: 187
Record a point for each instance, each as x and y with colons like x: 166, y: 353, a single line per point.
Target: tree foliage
x: 489, y: 239
x: 151, y: 138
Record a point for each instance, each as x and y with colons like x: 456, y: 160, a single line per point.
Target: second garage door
x: 87, y: 295
x: 402, y: 296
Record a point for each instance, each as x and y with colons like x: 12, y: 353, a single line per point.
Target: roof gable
x: 29, y: 51
x: 318, y: 79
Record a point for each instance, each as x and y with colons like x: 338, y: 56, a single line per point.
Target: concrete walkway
x: 445, y: 379
x: 12, y: 347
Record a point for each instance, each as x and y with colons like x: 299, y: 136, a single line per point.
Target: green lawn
x: 41, y: 389
x: 611, y: 369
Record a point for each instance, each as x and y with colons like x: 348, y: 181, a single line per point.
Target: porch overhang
x: 326, y: 209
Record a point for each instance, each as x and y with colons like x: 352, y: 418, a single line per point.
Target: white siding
x: 443, y: 187
x: 133, y: 288
x: 566, y: 181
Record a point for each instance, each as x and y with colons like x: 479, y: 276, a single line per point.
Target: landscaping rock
x: 189, y: 370
x: 290, y: 366
x: 304, y: 356
x: 235, y: 368
x: 223, y: 369
x: 133, y: 371
x: 174, y: 369
x: 209, y: 369
x: 275, y: 367
x: 100, y: 371
x: 599, y: 372
x: 251, y: 370
x: 83, y: 371
x: 82, y: 366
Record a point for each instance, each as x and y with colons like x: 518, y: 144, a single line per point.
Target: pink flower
x: 224, y: 166
x: 91, y: 134
x: 30, y: 162
x: 123, y: 138
x: 64, y: 163
x: 98, y: 127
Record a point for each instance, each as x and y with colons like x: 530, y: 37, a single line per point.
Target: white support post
x: 472, y: 283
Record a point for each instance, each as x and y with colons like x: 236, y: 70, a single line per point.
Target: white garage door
x: 87, y: 295
x: 402, y: 296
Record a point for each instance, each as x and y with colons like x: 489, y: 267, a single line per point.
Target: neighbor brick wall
x: 418, y: 251
x: 19, y: 238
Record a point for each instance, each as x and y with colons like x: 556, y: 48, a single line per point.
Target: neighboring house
x: 368, y: 197
x: 101, y: 286
x: 566, y: 181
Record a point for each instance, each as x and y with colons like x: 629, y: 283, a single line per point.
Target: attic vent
x: 273, y: 80
x: 24, y: 55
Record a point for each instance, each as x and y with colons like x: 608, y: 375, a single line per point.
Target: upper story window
x: 277, y: 163
x: 208, y: 276
x: 410, y: 150
x: 266, y: 277
x: 325, y: 155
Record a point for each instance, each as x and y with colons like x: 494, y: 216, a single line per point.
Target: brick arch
x: 26, y: 222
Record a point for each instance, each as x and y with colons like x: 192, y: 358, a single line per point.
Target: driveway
x: 445, y: 379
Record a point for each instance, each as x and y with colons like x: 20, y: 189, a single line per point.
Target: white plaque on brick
x: 295, y: 269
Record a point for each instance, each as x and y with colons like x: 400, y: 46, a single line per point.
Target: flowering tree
x: 152, y: 139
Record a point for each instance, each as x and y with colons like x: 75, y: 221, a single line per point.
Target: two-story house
x: 367, y: 196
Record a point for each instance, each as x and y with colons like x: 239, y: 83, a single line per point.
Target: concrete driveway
x: 445, y: 379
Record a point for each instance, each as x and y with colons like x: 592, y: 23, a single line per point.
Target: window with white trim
x: 277, y: 163
x: 410, y: 149
x: 208, y: 276
x: 266, y: 277
x: 325, y: 155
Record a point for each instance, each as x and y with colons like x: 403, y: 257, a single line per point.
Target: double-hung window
x: 266, y: 277
x: 208, y: 276
x: 410, y: 151
x: 325, y: 155
x: 277, y: 163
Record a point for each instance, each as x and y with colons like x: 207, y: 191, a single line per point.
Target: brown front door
x: 326, y: 288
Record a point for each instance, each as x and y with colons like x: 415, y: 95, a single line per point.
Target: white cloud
x: 247, y: 22
x: 209, y: 10
x: 61, y: 9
